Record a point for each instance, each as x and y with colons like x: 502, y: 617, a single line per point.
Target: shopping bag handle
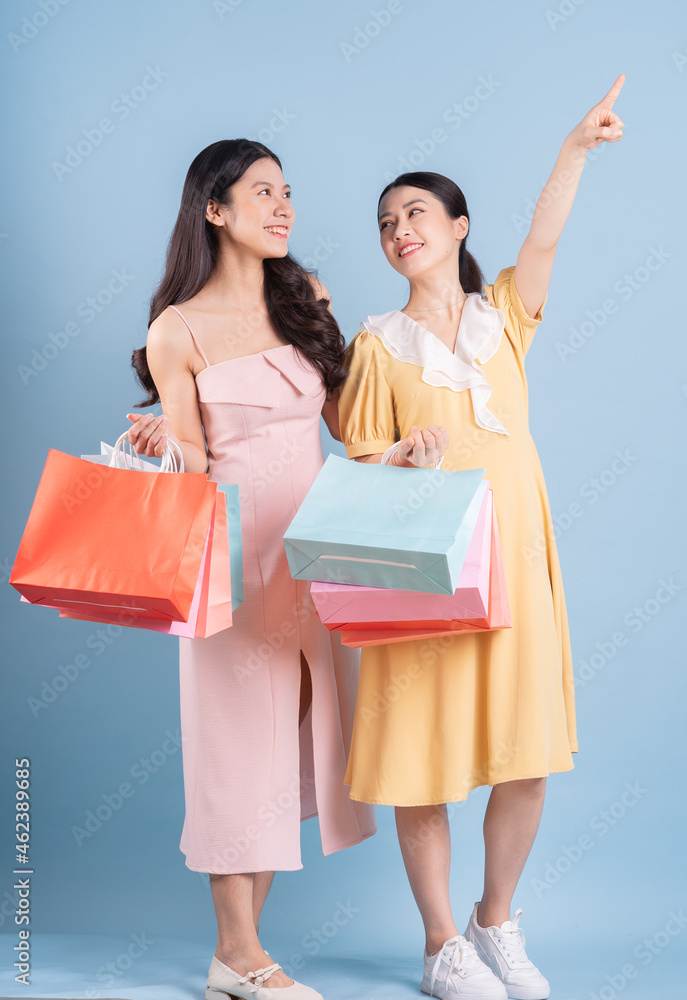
x: 172, y: 456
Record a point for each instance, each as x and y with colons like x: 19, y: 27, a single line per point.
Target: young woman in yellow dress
x: 442, y: 381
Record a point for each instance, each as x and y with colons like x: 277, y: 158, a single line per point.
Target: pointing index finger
x: 610, y: 97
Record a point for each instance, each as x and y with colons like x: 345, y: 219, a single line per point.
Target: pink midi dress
x: 251, y: 774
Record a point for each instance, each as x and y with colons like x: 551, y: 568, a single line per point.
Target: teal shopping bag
x: 383, y: 526
x: 235, y: 545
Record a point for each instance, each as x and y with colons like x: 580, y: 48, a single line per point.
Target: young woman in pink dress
x: 245, y: 357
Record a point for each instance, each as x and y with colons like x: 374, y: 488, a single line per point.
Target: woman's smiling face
x: 416, y: 232
x: 260, y: 216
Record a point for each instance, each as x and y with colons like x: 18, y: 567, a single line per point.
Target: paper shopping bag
x: 383, y: 526
x: 342, y: 605
x: 233, y: 511
x: 117, y: 538
x: 105, y: 458
x: 215, y: 611
x: 498, y: 617
x: 231, y: 490
x: 211, y: 607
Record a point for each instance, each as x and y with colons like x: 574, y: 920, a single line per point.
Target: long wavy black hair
x: 292, y: 304
x: 453, y: 200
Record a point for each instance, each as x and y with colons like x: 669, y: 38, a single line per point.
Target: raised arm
x: 535, y: 259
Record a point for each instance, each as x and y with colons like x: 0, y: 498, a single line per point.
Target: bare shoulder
x: 169, y: 338
x: 168, y: 330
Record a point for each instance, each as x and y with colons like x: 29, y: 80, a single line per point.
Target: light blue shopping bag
x: 383, y: 526
x: 235, y: 545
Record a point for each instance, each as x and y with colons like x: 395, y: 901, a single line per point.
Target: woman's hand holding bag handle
x: 171, y: 453
x: 420, y: 449
x: 150, y: 435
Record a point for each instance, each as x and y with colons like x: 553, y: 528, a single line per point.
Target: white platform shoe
x: 224, y: 983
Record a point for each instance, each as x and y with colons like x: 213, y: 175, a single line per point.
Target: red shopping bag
x: 211, y: 607
x: 116, y: 538
x: 382, y: 633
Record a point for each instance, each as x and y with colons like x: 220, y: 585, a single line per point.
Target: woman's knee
x: 524, y: 787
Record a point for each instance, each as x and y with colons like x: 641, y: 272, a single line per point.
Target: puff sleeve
x: 366, y: 404
x: 520, y: 328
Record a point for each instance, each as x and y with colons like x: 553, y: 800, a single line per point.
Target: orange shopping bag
x: 121, y: 539
x: 211, y: 608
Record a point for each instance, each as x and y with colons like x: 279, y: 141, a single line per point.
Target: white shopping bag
x: 131, y: 459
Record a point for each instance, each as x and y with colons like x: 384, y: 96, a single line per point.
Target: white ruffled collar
x: 479, y: 335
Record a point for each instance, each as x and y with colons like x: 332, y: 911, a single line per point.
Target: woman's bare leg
x: 425, y: 841
x: 261, y: 886
x: 306, y: 689
x: 239, y: 899
x: 237, y: 939
x: 511, y: 822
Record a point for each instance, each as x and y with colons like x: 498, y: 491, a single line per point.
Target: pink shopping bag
x: 350, y: 606
x: 498, y: 616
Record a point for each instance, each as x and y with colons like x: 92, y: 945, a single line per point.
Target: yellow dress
x: 438, y: 717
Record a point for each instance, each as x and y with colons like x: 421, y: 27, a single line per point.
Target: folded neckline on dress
x: 258, y: 381
x: 242, y: 357
x: 479, y: 335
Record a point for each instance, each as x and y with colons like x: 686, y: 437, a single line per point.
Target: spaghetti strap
x: 195, y: 339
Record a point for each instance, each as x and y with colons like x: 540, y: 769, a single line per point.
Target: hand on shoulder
x: 321, y: 291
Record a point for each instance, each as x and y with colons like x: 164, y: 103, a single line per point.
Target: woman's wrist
x: 391, y: 457
x: 195, y: 460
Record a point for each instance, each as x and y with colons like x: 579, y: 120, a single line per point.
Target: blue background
x: 342, y: 119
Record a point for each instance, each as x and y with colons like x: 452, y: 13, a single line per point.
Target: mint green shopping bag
x: 383, y: 526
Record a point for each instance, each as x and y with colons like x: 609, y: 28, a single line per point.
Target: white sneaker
x: 456, y: 971
x: 503, y: 950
